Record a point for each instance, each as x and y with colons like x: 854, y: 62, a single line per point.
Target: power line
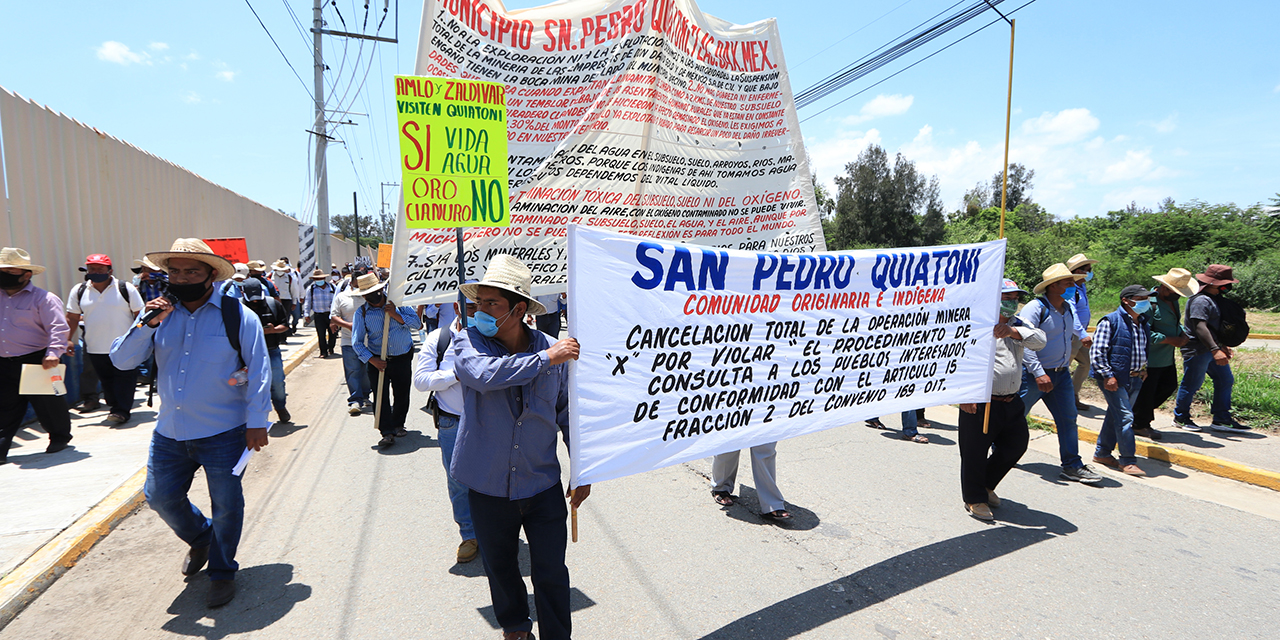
x: 860, y: 29
x: 282, y: 55
x: 974, y: 32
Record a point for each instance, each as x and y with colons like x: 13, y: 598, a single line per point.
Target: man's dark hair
x: 514, y: 299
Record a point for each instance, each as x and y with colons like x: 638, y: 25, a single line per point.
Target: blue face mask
x: 487, y: 324
x: 1069, y: 292
x: 1088, y: 276
x: 1141, y: 306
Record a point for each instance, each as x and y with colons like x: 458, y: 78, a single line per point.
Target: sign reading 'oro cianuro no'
x: 453, y: 152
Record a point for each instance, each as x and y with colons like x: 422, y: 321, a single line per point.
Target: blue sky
x: 1113, y: 102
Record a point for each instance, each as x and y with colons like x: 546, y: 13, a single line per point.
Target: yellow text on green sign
x: 453, y: 152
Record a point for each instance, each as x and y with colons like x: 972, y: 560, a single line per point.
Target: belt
x: 1008, y: 398
x: 1055, y: 369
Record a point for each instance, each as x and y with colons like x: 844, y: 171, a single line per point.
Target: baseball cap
x: 98, y: 258
x: 1134, y: 290
x: 1010, y: 285
x: 242, y: 271
x: 252, y: 290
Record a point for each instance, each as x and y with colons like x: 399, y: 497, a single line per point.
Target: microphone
x: 152, y: 314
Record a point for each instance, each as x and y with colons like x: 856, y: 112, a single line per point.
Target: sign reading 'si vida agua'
x: 453, y: 152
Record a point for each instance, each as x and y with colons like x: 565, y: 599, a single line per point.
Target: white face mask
x: 281, y: 274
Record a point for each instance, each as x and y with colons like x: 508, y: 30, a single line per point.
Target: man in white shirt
x: 434, y: 373
x: 108, y: 307
x: 289, y: 284
x: 341, y: 313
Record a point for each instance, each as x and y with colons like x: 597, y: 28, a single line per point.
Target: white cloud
x: 191, y: 56
x: 1135, y: 165
x: 191, y: 97
x: 1068, y: 125
x: 881, y: 106
x: 158, y: 46
x: 227, y: 76
x: 828, y: 157
x: 1167, y: 125
x: 120, y: 53
x: 1148, y: 197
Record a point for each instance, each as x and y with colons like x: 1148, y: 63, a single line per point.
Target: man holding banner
x: 515, y: 403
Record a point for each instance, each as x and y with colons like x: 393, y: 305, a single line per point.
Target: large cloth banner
x: 645, y: 117
x: 691, y: 351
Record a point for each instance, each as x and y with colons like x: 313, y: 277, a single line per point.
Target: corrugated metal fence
x: 73, y: 190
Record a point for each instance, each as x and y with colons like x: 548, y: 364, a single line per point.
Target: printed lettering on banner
x: 645, y: 117
x: 694, y: 351
x: 453, y: 152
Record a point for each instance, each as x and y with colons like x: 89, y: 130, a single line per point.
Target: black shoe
x: 284, y: 415
x: 400, y: 433
x: 387, y: 441
x: 89, y: 406
x: 220, y: 592
x: 194, y: 562
x: 55, y: 447
x: 1083, y: 475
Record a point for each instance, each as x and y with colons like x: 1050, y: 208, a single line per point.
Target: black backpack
x: 1232, y: 329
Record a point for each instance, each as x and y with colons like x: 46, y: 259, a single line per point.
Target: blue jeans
x: 1117, y: 427
x: 1061, y: 403
x: 172, y: 465
x: 277, y: 379
x: 909, y: 422
x: 1193, y: 372
x: 448, y: 434
x: 498, y: 522
x: 357, y: 379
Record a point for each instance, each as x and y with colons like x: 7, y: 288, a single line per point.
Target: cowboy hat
x: 195, y: 249
x: 15, y: 258
x: 1216, y: 275
x: 1079, y: 260
x: 257, y: 265
x: 1179, y: 280
x: 367, y: 284
x: 146, y: 262
x: 319, y: 275
x: 280, y: 265
x: 1055, y: 273
x: 508, y: 274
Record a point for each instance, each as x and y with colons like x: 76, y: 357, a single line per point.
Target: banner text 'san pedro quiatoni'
x: 453, y: 152
x: 692, y: 351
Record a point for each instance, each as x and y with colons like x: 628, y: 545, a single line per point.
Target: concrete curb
x: 1198, y: 461
x: 31, y: 578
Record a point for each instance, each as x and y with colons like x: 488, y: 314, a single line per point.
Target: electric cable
x: 286, y: 58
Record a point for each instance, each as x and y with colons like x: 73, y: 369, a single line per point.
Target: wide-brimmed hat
x: 280, y: 265
x: 1179, y: 280
x: 1216, y: 275
x: 367, y: 284
x: 319, y: 275
x: 195, y: 249
x: 1079, y: 260
x: 15, y: 258
x: 256, y: 265
x: 1055, y: 273
x: 146, y: 262
x: 508, y: 274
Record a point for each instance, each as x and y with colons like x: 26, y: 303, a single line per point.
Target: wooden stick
x: 573, y: 518
x: 1004, y: 187
x: 378, y: 393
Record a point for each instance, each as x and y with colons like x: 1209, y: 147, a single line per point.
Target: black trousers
x: 985, y: 459
x: 549, y: 323
x: 1160, y: 384
x: 51, y: 411
x: 291, y: 320
x: 117, y: 385
x: 498, y: 522
x: 327, y: 337
x: 398, y: 379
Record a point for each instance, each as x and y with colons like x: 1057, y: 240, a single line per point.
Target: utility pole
x: 356, y: 212
x: 384, y: 206
x: 320, y: 131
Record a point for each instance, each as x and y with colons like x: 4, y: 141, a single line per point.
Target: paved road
x: 343, y: 541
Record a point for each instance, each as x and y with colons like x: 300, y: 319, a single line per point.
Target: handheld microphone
x: 152, y: 314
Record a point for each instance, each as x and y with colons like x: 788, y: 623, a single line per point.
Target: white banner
x: 688, y: 351
x: 645, y: 117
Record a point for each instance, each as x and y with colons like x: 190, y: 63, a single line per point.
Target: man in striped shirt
x: 317, y: 302
x: 1119, y: 361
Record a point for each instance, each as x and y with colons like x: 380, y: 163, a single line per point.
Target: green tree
x: 878, y: 204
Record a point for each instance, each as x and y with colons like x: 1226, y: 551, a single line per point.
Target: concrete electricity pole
x: 321, y: 133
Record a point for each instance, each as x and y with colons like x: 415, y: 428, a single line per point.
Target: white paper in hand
x: 242, y: 463
x: 39, y: 381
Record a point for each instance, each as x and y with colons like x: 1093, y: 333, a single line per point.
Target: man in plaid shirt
x: 1118, y: 358
x: 315, y: 308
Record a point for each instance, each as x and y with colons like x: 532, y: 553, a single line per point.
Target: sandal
x: 916, y: 438
x: 723, y: 498
x: 777, y: 516
x: 875, y: 423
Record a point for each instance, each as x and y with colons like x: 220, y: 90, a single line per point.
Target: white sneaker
x: 1187, y: 426
x: 353, y: 408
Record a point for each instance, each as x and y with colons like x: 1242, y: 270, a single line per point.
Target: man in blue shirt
x: 397, y: 367
x: 214, y: 405
x: 1078, y: 297
x: 515, y: 404
x: 1045, y: 371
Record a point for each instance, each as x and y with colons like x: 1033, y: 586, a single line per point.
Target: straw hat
x: 1055, y: 273
x: 1179, y: 280
x: 319, y: 275
x: 280, y: 265
x: 257, y: 265
x: 1079, y: 260
x: 15, y: 258
x: 195, y: 249
x: 508, y: 274
x: 146, y: 262
x: 367, y: 284
x: 1216, y: 275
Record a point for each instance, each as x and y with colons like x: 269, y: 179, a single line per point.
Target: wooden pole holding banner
x: 462, y: 300
x: 1004, y: 187
x: 382, y: 373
